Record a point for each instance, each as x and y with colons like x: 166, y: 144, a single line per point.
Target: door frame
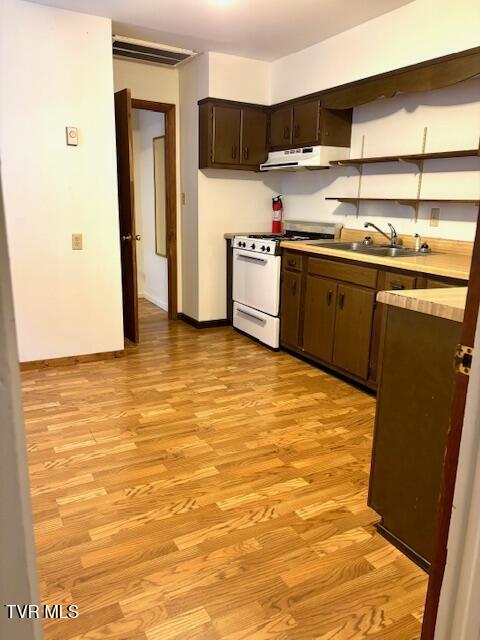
x: 452, y: 452
x: 171, y: 195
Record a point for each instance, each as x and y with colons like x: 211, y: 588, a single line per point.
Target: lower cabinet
x: 319, y: 320
x: 329, y: 313
x: 353, y: 329
x: 290, y: 309
x: 411, y: 427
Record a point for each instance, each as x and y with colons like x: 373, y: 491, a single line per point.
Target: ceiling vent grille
x: 150, y: 51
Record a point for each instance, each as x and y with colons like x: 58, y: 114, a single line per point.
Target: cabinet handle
x: 329, y: 297
x: 234, y: 152
x: 341, y: 300
x: 397, y: 285
x: 297, y: 131
x: 292, y: 262
x: 294, y: 287
x: 286, y: 133
x: 245, y: 153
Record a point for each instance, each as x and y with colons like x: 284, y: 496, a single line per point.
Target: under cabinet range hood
x: 316, y: 157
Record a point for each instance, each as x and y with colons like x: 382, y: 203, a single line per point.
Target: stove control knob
x: 253, y: 246
x: 263, y: 247
x: 268, y: 248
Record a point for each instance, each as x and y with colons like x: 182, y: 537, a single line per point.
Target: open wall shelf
x: 415, y: 158
x: 409, y: 202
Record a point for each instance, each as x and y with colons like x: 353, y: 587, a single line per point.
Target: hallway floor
x: 205, y: 487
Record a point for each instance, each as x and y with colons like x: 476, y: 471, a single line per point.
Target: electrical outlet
x: 434, y: 216
x: 184, y: 199
x: 77, y: 241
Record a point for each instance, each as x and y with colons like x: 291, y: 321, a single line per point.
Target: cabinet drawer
x: 292, y: 261
x: 398, y: 281
x: 364, y: 276
x: 439, y: 284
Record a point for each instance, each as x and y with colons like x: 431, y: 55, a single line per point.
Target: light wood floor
x: 204, y: 487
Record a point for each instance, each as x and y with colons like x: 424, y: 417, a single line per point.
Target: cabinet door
x: 290, y: 308
x: 353, y: 327
x: 226, y: 135
x: 281, y: 127
x: 254, y: 136
x: 319, y: 321
x: 305, y: 122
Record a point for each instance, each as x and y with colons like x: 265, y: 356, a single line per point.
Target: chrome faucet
x: 392, y: 238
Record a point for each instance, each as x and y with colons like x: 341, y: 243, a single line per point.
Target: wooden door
x: 126, y: 210
x: 281, y: 122
x: 319, y: 320
x: 353, y: 327
x: 254, y: 136
x: 290, y: 308
x: 226, y: 135
x: 305, y: 122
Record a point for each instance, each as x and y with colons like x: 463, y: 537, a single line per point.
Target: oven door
x: 256, y: 280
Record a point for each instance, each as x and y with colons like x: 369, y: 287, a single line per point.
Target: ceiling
x: 261, y: 29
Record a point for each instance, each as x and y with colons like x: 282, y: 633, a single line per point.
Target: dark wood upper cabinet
x: 281, y: 123
x: 231, y: 135
x: 254, y: 136
x: 353, y: 329
x: 306, y: 123
x: 226, y: 135
x: 319, y: 320
x: 290, y: 307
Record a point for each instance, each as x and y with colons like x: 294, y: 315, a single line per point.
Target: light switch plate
x: 77, y: 241
x: 72, y: 136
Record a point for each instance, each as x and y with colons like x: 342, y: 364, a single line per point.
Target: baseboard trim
x: 155, y: 301
x: 203, y: 324
x: 69, y: 360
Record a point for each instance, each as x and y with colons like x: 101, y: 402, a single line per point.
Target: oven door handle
x: 247, y: 256
x: 250, y: 314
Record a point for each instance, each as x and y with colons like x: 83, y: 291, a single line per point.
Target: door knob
x: 127, y: 238
x: 138, y: 237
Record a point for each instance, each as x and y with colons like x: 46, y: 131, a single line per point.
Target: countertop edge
x: 442, y: 303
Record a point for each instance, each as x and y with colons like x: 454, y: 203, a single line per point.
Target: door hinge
x: 463, y: 359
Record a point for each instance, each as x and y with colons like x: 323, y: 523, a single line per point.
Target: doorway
x: 149, y: 261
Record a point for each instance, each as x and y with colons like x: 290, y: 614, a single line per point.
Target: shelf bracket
x: 360, y: 175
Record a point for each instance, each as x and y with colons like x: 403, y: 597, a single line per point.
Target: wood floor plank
x: 206, y: 488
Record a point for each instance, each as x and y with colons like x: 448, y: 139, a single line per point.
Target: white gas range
x: 256, y: 277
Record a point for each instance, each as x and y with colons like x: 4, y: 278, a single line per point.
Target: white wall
x: 417, y: 31
x: 56, y: 70
x: 217, y: 202
x: 160, y: 84
x: 229, y: 202
x: 193, y: 84
x: 452, y: 118
x: 152, y: 270
x: 236, y: 78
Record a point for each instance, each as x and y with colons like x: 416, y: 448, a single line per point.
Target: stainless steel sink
x: 392, y: 252
x: 372, y: 250
x: 346, y: 246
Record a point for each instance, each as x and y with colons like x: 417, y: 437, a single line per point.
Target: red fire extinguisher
x: 277, y: 207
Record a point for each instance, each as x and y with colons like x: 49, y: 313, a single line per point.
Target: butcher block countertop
x: 446, y: 303
x: 449, y: 265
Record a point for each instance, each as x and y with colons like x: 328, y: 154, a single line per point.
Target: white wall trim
x: 159, y: 303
